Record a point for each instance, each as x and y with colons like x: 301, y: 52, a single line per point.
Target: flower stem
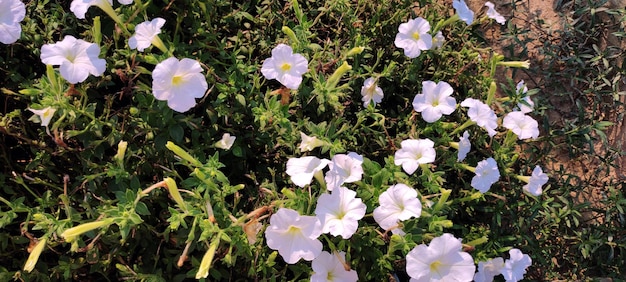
x: 462, y: 127
x: 156, y: 41
x: 108, y: 9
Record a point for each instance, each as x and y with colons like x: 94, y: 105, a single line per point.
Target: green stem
x: 462, y: 127
x: 108, y: 9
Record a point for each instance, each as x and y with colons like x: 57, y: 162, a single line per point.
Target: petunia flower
x: 371, y: 92
x: 309, y: 142
x: 413, y: 37
x: 534, y: 182
x: 464, y: 12
x: 340, y: 212
x: 330, y: 267
x: 344, y: 169
x: 77, y: 58
x: 146, y: 34
x: 526, y: 105
x: 487, y: 270
x: 522, y: 125
x: 12, y: 12
x: 178, y: 82
x: 80, y: 7
x: 482, y: 115
x: 464, y: 146
x: 438, y: 40
x: 399, y: 202
x: 285, y: 66
x: 515, y: 267
x: 493, y: 14
x: 442, y: 260
x: 487, y: 174
x: 434, y: 101
x: 413, y: 153
x: 294, y: 236
x: 226, y: 142
x: 45, y: 115
x: 303, y: 169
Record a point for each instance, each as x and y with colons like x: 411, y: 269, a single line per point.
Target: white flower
x: 12, y: 12
x: 344, y: 169
x: 521, y: 124
x: 371, y: 92
x: 413, y: 153
x: 413, y: 37
x: 179, y: 82
x: 294, y: 236
x: 488, y: 269
x: 442, y: 260
x: 80, y: 7
x: 145, y: 34
x: 303, y: 169
x: 487, y: 173
x: 45, y: 115
x: 330, y: 267
x: 482, y: 115
x: 464, y: 146
x: 226, y: 142
x: 434, y: 101
x: 398, y: 202
x: 77, y: 58
x: 309, y: 142
x: 464, y: 12
x: 515, y: 267
x: 285, y: 66
x: 438, y: 40
x: 527, y: 105
x: 536, y: 181
x: 493, y: 14
x: 340, y: 212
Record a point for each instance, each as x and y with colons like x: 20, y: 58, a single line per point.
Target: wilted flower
x: 515, y: 267
x: 226, y: 142
x: 330, y: 267
x: 294, y: 236
x: 344, y: 169
x: 493, y: 14
x: 413, y: 37
x: 34, y: 254
x: 45, y: 115
x: 413, y: 153
x: 178, y: 82
x: 442, y: 260
x: 12, y: 12
x: 434, y: 101
x: 80, y: 7
x: 464, y: 12
x: 487, y: 173
x: 77, y: 58
x: 464, y: 146
x: 285, y: 66
x: 521, y: 124
x: 482, y: 115
x: 371, y: 92
x: 340, y: 212
x: 399, y: 202
x: 146, y: 34
x: 303, y: 169
x: 534, y: 182
x: 309, y: 142
x: 438, y: 40
x: 487, y: 270
x: 71, y: 234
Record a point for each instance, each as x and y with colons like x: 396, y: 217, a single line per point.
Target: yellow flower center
x: 47, y: 114
x: 176, y: 80
x: 293, y: 230
x: 434, y: 267
x: 285, y: 67
x: 416, y: 35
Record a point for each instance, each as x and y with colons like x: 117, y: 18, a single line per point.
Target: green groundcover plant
x: 263, y: 140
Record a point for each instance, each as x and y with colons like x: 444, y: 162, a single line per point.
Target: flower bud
x: 182, y: 153
x: 34, y: 255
